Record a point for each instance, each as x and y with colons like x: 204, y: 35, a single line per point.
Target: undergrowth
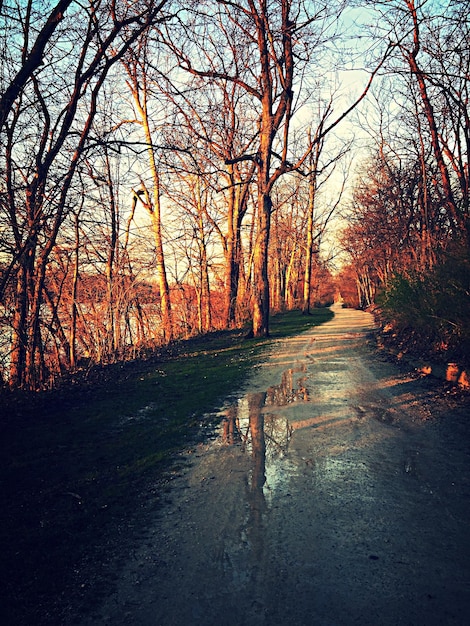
x: 429, y: 314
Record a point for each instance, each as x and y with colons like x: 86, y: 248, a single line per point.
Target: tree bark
x: 138, y: 87
x: 309, y: 251
x: 260, y: 269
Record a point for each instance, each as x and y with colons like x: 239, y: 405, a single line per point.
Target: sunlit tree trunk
x: 314, y: 160
x: 276, y: 266
x: 167, y: 321
x: 260, y: 268
x: 245, y: 283
x: 291, y: 278
x: 205, y: 318
x: 271, y: 120
x: 137, y: 83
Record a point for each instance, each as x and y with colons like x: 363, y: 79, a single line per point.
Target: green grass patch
x: 292, y: 322
x: 79, y: 469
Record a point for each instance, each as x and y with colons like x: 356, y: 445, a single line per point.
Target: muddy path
x: 337, y: 492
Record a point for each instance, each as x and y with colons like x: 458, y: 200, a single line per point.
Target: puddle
x: 264, y: 436
x: 252, y: 423
x: 316, y: 375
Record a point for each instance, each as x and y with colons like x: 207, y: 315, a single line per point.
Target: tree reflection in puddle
x: 264, y: 435
x: 230, y: 426
x: 289, y: 390
x: 246, y: 419
x: 253, y: 424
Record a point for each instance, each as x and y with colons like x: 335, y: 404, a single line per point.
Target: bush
x: 430, y: 312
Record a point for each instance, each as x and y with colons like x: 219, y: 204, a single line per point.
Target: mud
x: 336, y: 492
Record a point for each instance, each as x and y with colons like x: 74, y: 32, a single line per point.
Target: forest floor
x: 331, y: 488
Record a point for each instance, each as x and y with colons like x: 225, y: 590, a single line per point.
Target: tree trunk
x: 232, y: 253
x: 18, y: 340
x: 260, y: 268
x: 138, y: 87
x: 309, y: 252
x: 291, y: 279
x: 205, y: 319
x: 167, y: 322
x: 232, y: 276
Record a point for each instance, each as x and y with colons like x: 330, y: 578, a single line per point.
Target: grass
x: 80, y: 470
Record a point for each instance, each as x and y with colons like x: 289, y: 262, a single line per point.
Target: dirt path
x: 336, y: 494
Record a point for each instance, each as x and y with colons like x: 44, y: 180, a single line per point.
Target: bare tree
x: 31, y: 58
x: 46, y: 132
x: 411, y: 53
x: 433, y: 57
x: 276, y: 36
x: 137, y: 68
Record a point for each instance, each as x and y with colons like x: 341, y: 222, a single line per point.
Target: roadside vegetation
x: 429, y: 314
x: 408, y: 234
x: 82, y: 465
x: 425, y: 314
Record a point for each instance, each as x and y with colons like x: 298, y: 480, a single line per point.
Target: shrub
x: 431, y: 311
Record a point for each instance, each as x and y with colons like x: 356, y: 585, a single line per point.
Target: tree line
x: 408, y: 232
x: 165, y: 165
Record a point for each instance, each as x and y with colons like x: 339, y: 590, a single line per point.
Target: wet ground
x: 337, y: 492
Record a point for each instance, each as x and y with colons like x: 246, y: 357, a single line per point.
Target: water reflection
x: 289, y: 390
x: 257, y: 431
x: 258, y: 442
x: 256, y: 500
x: 230, y: 426
x: 264, y: 435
